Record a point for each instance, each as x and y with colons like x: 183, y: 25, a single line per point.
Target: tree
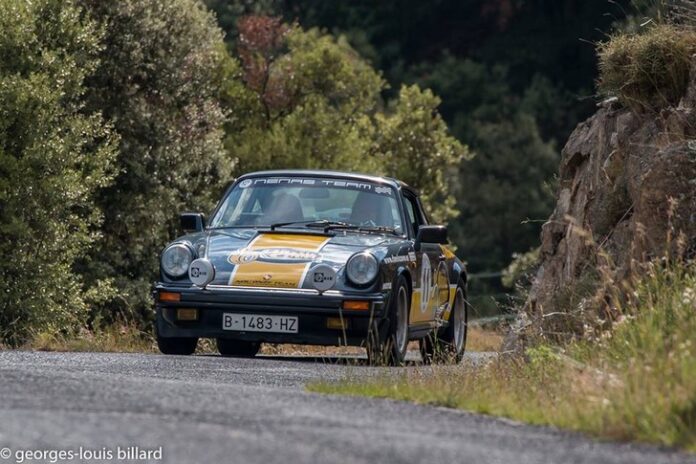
x: 503, y: 194
x: 313, y: 102
x: 158, y: 83
x: 415, y: 145
x: 491, y: 62
x: 55, y: 155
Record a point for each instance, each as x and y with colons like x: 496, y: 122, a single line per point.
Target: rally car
x: 313, y: 257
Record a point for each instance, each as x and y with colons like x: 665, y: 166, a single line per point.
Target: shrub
x: 54, y: 157
x: 649, y: 70
x: 157, y: 83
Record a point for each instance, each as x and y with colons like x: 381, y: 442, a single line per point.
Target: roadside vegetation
x: 118, y: 337
x: 618, y: 359
x: 636, y: 381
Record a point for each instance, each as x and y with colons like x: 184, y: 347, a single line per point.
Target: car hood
x: 281, y: 259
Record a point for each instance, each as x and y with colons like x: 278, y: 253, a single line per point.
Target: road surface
x: 209, y: 409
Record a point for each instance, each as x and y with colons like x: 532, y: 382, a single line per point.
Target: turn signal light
x: 360, y: 305
x: 169, y: 296
x: 186, y: 314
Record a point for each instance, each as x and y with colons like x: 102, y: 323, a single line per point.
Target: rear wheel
x: 448, y: 345
x: 391, y: 346
x: 237, y: 348
x: 176, y: 345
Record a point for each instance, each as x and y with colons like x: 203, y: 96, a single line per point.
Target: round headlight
x: 362, y: 268
x: 176, y: 260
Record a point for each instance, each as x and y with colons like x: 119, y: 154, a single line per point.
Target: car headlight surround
x: 176, y: 260
x: 362, y: 268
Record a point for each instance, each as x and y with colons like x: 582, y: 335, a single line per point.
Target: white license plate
x: 259, y: 323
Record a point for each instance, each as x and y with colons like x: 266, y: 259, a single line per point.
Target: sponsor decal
x: 397, y: 259
x: 275, y: 260
x: 402, y: 258
x: 272, y: 255
x: 305, y: 182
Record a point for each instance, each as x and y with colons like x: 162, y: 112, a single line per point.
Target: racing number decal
x: 433, y: 290
x: 426, y: 287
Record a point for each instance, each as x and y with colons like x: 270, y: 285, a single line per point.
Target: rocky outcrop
x: 627, y: 184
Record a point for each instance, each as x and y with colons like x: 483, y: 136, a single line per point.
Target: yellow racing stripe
x: 275, y: 260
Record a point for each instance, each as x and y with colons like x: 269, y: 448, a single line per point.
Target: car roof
x: 328, y: 173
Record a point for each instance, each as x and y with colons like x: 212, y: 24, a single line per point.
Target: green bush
x: 54, y: 157
x: 649, y: 70
x: 158, y: 84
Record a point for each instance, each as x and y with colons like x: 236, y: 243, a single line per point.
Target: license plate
x: 259, y: 323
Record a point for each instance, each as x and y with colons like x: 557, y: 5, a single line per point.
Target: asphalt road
x: 221, y: 410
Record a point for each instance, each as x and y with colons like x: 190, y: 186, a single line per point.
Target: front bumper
x: 312, y: 309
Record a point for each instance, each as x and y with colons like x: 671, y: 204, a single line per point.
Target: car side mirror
x: 192, y: 222
x: 431, y: 234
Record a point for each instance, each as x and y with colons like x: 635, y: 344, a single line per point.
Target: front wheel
x: 390, y: 347
x: 177, y: 345
x: 448, y: 345
x: 237, y: 348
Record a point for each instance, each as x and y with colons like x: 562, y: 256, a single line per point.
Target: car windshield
x: 309, y: 202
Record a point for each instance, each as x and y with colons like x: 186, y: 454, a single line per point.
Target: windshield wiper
x: 329, y: 225
x: 310, y: 223
x: 380, y: 229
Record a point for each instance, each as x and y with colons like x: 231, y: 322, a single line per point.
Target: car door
x: 427, y: 303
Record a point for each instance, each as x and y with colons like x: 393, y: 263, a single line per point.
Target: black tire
x: 449, y: 344
x: 237, y: 348
x: 389, y: 345
x: 177, y: 345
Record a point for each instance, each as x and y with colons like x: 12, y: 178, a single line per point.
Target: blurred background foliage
x: 116, y: 116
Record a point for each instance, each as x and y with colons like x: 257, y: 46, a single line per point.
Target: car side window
x: 413, y: 212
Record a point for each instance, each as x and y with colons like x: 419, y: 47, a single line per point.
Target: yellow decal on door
x: 275, y: 260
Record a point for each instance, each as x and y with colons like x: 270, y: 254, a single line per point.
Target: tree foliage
x: 55, y: 155
x: 493, y: 63
x: 313, y: 102
x: 158, y: 83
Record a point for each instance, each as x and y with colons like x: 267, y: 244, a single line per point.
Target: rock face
x: 627, y: 184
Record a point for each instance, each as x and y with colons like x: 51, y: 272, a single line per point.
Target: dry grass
x: 637, y: 382
x: 650, y: 70
x: 310, y: 350
x: 479, y: 339
x: 120, y: 337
